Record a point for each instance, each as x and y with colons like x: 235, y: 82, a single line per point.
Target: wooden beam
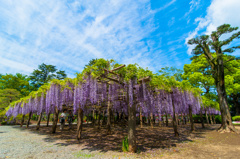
x: 111, y: 72
x: 118, y: 68
x: 145, y: 79
x: 114, y: 80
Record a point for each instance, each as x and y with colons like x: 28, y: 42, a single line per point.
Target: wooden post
x: 132, y: 121
x: 29, y: 118
x: 206, y: 117
x: 174, y: 121
x: 22, y: 121
x: 108, y: 117
x: 141, y: 119
x: 48, y: 118
x: 182, y: 118
x: 201, y: 116
x: 39, y: 120
x: 103, y: 122
x: 79, y: 123
x: 185, y: 119
x: 176, y: 116
x: 93, y: 119
x: 191, y: 118
x: 99, y: 115
x: 214, y: 120
x: 166, y: 119
x: 159, y: 120
x: 210, y: 116
x: 151, y: 120
x: 54, y: 126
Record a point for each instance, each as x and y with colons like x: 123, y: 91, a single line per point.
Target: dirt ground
x: 157, y: 142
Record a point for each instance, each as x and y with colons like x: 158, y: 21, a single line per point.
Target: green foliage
x: 218, y: 119
x: 197, y: 118
x: 125, y: 144
x: 6, y: 97
x: 236, y: 118
x: 131, y: 71
x: 3, y: 123
x: 169, y: 72
x: 18, y: 82
x: 44, y: 74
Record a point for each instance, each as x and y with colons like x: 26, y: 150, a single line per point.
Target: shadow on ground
x: 94, y: 139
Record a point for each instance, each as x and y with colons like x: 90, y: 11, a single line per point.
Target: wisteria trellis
x: 91, y: 92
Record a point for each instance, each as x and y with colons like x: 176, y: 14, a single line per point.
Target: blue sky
x: 69, y: 33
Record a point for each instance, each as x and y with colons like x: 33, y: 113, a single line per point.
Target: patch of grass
x: 236, y: 123
x: 81, y: 154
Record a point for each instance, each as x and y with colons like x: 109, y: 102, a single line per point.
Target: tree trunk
x: 55, y: 121
x: 185, y: 120
x: 93, y: 119
x: 109, y: 117
x: 159, y: 120
x: 39, y: 120
x: 22, y: 121
x: 79, y: 123
x: 29, y: 118
x: 103, y: 122
x: 176, y: 116
x: 201, y: 116
x: 48, y: 117
x: 174, y: 121
x: 210, y: 116
x: 132, y: 121
x: 141, y: 119
x: 214, y: 121
x: 191, y: 118
x: 151, y: 120
x: 132, y: 128
x: 182, y: 119
x: 166, y: 119
x: 227, y: 125
x: 207, y: 117
x: 154, y: 120
x: 99, y: 115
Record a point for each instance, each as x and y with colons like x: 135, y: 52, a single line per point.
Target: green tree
x: 232, y: 78
x: 91, y: 62
x: 204, y: 45
x: 7, y: 96
x: 19, y: 82
x: 44, y: 74
x: 171, y: 71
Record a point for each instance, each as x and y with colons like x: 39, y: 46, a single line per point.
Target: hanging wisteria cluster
x: 90, y: 92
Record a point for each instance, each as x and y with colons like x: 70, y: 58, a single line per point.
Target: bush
x: 3, y: 123
x: 125, y: 144
x: 218, y: 119
x: 197, y: 118
x: 236, y: 118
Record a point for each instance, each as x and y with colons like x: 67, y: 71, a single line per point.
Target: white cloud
x: 171, y: 22
x: 218, y: 13
x: 166, y: 5
x: 68, y: 35
x: 194, y: 4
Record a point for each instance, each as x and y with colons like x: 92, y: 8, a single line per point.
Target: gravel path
x: 20, y: 143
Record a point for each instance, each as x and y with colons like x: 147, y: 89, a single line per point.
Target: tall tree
x: 204, y: 45
x: 44, y: 74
